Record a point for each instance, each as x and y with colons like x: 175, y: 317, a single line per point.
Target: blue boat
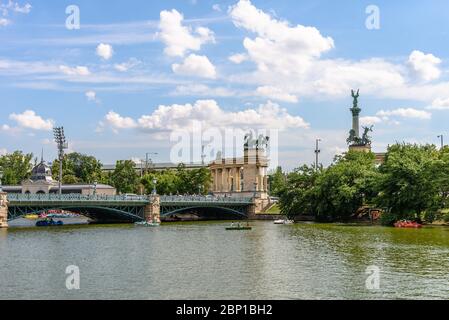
x: 49, y: 223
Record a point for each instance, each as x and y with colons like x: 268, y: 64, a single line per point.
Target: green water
x: 203, y: 261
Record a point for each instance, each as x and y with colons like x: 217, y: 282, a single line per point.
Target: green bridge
x: 123, y: 208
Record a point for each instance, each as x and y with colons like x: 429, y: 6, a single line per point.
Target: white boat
x: 147, y: 224
x: 282, y: 221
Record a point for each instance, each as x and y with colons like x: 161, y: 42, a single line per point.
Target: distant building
x: 41, y: 182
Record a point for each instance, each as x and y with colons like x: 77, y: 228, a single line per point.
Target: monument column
x: 3, y: 210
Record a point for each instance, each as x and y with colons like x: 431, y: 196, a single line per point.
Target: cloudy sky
x: 137, y: 70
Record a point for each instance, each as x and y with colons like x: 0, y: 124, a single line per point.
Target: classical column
x: 3, y: 210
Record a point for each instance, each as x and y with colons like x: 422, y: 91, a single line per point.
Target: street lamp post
x: 95, y: 187
x: 61, y: 142
x: 317, y: 152
x: 442, y: 141
x: 1, y: 177
x: 147, y: 158
x: 154, y: 186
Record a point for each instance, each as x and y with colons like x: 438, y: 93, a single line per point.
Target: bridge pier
x: 3, y: 210
x: 259, y: 203
x: 152, y: 211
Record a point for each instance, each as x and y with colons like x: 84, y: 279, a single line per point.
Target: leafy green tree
x: 16, y: 167
x: 78, y: 168
x: 298, y: 194
x: 344, y: 187
x: 334, y: 193
x: 124, y: 178
x: 277, y: 182
x: 412, y: 179
x: 178, y: 181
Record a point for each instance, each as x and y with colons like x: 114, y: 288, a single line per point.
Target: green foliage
x: 345, y: 186
x: 299, y: 195
x: 179, y: 181
x: 16, y: 167
x: 124, y: 178
x: 78, y: 168
x: 411, y: 180
x: 334, y: 193
x: 277, y: 182
x: 388, y: 219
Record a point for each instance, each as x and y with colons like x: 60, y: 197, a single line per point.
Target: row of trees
x: 80, y: 168
x: 412, y: 183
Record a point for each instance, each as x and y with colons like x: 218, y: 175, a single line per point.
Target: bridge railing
x: 205, y: 199
x: 19, y: 197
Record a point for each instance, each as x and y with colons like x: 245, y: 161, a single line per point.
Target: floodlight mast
x: 62, y: 144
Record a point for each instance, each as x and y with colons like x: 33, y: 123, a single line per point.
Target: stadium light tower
x: 62, y: 144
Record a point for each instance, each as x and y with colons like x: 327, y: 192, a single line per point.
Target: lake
x: 201, y: 260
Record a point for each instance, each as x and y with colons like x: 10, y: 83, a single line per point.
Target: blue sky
x: 136, y: 71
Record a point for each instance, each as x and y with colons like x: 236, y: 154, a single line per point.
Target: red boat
x: 407, y: 224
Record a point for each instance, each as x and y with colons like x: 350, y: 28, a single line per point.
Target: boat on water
x: 239, y: 226
x: 31, y: 216
x: 49, y: 223
x: 407, y: 224
x: 148, y: 224
x: 282, y: 221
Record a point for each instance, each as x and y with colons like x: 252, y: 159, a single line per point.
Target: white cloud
x: 292, y: 58
x: 439, y: 104
x: 406, y: 113
x: 4, y: 22
x: 276, y: 94
x: 125, y: 66
x: 369, y: 120
x: 105, y: 51
x: 216, y: 7
x: 3, y: 151
x: 195, y: 65
x: 116, y: 121
x: 209, y: 114
x: 179, y: 39
x: 30, y: 120
x: 238, y: 58
x: 277, y: 38
x: 14, y: 7
x: 92, y: 96
x: 75, y: 71
x: 424, y: 66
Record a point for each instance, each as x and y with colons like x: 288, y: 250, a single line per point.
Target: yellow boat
x: 31, y: 216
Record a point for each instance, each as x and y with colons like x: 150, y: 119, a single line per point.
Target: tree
x: 277, y: 182
x: 16, y: 167
x: 412, y: 180
x: 77, y: 167
x: 344, y: 187
x: 298, y: 194
x: 124, y: 178
x: 334, y: 193
x: 178, y: 181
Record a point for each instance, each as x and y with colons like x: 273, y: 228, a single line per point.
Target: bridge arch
x: 224, y: 211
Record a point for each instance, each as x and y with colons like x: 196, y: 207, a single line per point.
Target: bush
x: 388, y: 219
